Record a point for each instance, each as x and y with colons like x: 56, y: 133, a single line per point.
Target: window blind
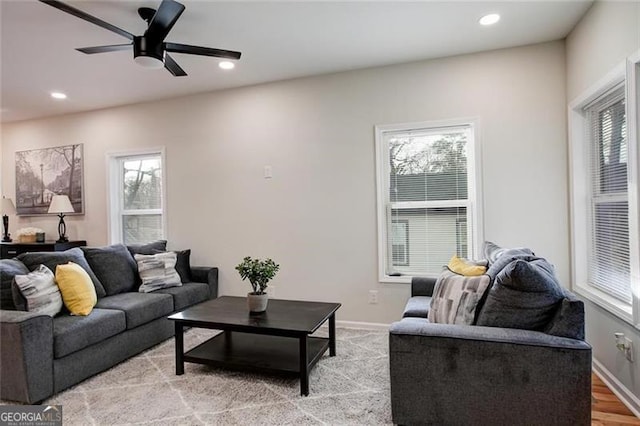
x: 428, y: 210
x: 609, y: 259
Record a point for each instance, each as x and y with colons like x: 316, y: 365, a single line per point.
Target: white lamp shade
x: 60, y: 204
x: 7, y: 206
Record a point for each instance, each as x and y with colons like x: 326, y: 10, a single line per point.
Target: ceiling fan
x: 149, y: 50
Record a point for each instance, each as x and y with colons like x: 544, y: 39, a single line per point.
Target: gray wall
x: 607, y: 34
x: 317, y: 216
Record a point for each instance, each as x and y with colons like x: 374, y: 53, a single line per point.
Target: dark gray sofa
x: 446, y: 374
x: 41, y: 355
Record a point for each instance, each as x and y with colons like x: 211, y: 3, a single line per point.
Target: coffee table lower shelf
x: 257, y: 352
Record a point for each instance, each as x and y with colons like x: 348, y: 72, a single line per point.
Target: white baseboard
x: 629, y: 399
x: 362, y: 325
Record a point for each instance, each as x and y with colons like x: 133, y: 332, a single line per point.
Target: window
x: 427, y: 206
x: 609, y: 264
x: 604, y: 185
x: 137, y: 197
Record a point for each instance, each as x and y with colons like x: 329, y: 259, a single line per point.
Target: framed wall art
x: 43, y: 173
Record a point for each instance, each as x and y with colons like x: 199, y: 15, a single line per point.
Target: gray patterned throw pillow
x: 157, y: 271
x: 455, y: 298
x: 40, y: 291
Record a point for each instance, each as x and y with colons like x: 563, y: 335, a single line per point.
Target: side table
x: 11, y: 250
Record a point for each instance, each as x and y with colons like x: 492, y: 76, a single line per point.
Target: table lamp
x: 7, y: 209
x: 60, y: 205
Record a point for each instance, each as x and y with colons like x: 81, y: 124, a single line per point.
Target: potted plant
x: 259, y: 273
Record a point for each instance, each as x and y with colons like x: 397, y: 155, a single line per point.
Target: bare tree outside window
x: 428, y: 154
x: 141, y: 199
x: 142, y: 184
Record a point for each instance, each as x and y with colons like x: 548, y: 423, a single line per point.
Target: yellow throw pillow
x: 76, y: 287
x: 465, y: 267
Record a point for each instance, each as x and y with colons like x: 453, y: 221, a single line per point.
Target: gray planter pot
x: 257, y: 302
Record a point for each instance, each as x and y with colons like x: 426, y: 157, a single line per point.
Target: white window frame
x: 473, y: 204
x: 114, y: 191
x: 627, y: 73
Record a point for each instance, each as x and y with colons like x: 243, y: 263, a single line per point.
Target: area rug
x: 350, y: 388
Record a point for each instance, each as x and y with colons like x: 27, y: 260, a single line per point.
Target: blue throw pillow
x: 492, y: 252
x: 114, y: 266
x: 525, y: 295
x: 149, y: 248
x: 9, y: 268
x: 506, y: 257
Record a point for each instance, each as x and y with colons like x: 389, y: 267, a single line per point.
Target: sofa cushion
x: 72, y: 333
x: 114, y: 266
x: 78, y: 293
x: 139, y: 308
x: 40, y: 291
x: 525, y: 295
x: 157, y: 271
x: 455, y: 298
x: 187, y: 294
x: 417, y: 307
x: 52, y: 259
x: 150, y: 248
x: 9, y: 268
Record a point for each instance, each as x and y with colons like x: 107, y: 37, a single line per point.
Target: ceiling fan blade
x: 164, y: 19
x: 204, y: 51
x: 104, y: 49
x: 173, y: 67
x: 82, y: 15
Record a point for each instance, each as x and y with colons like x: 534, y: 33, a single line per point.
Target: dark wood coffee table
x: 276, y: 341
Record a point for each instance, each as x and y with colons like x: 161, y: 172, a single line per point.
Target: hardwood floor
x: 606, y: 408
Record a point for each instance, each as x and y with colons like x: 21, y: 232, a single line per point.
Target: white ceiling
x: 278, y: 40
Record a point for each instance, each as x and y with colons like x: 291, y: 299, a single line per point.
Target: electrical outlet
x: 624, y: 345
x: 373, y: 297
x: 628, y: 346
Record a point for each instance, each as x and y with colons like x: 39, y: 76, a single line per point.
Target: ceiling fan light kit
x: 150, y: 49
x: 146, y: 54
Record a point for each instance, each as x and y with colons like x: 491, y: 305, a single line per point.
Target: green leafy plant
x: 258, y: 272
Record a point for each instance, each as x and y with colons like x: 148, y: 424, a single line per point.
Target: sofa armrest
x: 422, y: 286
x: 499, y: 375
x: 207, y: 275
x: 26, y: 356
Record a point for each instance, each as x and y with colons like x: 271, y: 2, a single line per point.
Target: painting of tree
x: 43, y: 173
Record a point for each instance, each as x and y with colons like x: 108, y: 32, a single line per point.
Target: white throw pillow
x: 157, y: 271
x: 455, y: 298
x: 40, y: 291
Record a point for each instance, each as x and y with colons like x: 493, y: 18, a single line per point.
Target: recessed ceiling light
x: 226, y: 65
x: 58, y: 95
x: 489, y: 19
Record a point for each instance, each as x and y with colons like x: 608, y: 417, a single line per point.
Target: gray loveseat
x: 450, y: 374
x: 41, y: 355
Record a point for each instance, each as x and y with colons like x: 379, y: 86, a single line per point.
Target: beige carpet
x: 351, y: 388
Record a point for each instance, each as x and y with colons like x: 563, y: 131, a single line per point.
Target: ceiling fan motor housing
x: 149, y: 49
x: 148, y: 54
